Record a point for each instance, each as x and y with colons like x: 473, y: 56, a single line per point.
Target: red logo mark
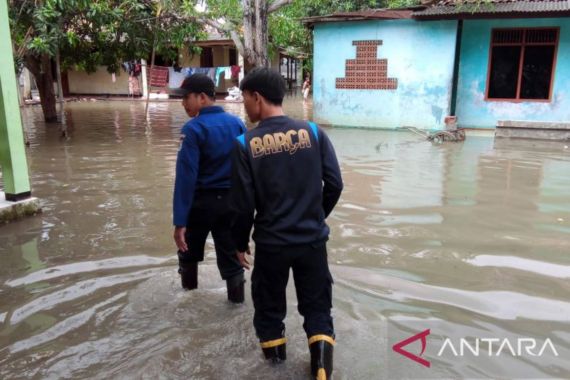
x: 398, y: 348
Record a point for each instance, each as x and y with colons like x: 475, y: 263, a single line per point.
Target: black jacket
x: 286, y: 172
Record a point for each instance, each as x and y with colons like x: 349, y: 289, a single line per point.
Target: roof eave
x: 490, y: 15
x: 212, y: 43
x: 392, y: 14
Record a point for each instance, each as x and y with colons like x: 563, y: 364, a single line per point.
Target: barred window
x: 521, y: 64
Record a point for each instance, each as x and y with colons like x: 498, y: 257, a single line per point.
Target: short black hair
x: 268, y: 83
x: 197, y: 84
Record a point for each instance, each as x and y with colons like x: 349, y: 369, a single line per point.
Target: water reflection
x: 473, y: 235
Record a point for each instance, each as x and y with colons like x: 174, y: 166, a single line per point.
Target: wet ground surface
x: 467, y: 239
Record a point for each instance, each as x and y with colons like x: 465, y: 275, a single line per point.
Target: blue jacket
x: 204, y: 158
x: 286, y: 182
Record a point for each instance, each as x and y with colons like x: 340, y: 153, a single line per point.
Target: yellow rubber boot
x: 321, y: 348
x: 275, y: 350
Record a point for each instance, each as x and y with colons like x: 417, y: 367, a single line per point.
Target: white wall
x: 98, y: 83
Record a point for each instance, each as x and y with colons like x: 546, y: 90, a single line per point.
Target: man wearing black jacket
x: 285, y: 172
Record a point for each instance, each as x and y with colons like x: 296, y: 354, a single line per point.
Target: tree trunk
x: 255, y: 35
x: 254, y: 47
x: 58, y: 73
x: 40, y: 67
x: 153, y: 56
x: 248, y: 31
x: 149, y: 87
x: 261, y: 37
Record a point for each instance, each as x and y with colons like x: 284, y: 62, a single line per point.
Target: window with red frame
x: 521, y: 64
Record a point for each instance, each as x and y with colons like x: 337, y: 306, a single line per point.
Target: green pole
x: 12, y: 149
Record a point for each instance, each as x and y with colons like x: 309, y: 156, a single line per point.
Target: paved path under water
x: 465, y: 239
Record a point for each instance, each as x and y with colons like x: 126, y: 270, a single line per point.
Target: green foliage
x: 90, y: 33
x: 103, y: 32
x: 401, y: 3
x: 230, y: 10
x: 287, y: 31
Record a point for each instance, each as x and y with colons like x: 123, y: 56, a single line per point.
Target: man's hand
x: 180, y: 239
x: 242, y: 258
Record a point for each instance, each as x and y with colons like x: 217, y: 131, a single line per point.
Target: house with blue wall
x: 482, y: 63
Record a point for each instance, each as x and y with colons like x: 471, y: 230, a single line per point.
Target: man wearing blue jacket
x: 286, y: 181
x: 203, y: 171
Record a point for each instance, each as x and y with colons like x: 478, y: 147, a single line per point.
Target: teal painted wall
x: 472, y: 109
x: 420, y: 55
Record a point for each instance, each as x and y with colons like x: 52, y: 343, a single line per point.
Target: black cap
x: 195, y: 83
x: 268, y: 83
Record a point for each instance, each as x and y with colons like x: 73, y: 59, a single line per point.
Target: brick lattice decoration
x: 367, y: 72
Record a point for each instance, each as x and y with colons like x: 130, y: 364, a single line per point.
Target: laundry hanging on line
x: 219, y: 70
x: 175, y: 78
x: 163, y: 76
x: 176, y: 75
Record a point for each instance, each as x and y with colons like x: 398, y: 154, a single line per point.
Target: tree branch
x: 225, y: 28
x: 214, y: 24
x: 20, y: 52
x: 237, y: 40
x: 278, y: 4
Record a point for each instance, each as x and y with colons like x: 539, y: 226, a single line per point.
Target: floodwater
x: 467, y: 239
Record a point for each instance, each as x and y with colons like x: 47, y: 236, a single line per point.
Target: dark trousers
x: 313, y: 284
x: 210, y: 213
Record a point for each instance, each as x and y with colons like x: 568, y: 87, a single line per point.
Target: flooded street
x: 467, y: 239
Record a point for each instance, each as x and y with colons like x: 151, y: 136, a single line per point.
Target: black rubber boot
x: 236, y: 288
x: 188, y: 272
x: 275, y: 350
x: 321, y: 347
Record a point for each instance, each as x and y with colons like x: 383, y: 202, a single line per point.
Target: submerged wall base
x: 533, y: 130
